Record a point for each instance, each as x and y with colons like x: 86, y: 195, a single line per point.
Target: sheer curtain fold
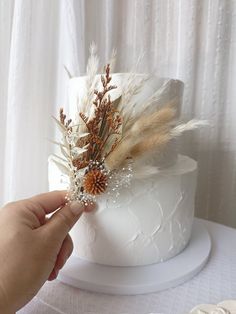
x: 192, y: 40
x: 30, y: 82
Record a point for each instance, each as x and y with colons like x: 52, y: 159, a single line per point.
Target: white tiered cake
x: 151, y: 220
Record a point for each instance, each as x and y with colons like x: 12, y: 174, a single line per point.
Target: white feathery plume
x: 92, y: 68
x: 93, y: 62
x: 132, y: 86
x: 137, y: 63
x: 112, y: 60
x: 86, y: 105
x: 190, y: 125
x: 151, y: 104
x: 156, y: 96
x: 143, y: 171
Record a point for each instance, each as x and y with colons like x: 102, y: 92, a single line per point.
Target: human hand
x: 33, y: 248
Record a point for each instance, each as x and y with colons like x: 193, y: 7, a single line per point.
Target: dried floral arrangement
x: 99, y: 149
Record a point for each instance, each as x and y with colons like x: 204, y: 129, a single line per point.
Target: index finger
x: 50, y: 201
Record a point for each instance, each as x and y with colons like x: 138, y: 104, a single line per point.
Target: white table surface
x: 215, y: 283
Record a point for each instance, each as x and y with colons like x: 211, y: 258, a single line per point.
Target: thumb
x: 64, y: 219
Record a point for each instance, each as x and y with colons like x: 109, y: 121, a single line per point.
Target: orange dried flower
x: 80, y: 164
x: 95, y: 182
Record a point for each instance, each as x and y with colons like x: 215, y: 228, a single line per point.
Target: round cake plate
x: 141, y: 279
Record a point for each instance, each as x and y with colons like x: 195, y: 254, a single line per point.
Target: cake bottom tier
x: 150, y: 222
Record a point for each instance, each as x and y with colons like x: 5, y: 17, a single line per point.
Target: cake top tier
x: 161, y: 91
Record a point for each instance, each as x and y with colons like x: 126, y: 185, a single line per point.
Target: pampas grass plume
x: 156, y: 120
x: 156, y: 141
x: 119, y: 154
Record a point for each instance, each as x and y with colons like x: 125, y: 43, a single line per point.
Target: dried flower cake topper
x: 100, y: 147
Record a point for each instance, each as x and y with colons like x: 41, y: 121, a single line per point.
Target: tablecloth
x: 215, y: 283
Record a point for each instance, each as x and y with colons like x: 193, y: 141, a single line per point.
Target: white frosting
x: 150, y: 222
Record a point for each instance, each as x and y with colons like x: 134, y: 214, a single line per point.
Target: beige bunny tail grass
x: 156, y: 120
x: 154, y: 142
x: 119, y: 154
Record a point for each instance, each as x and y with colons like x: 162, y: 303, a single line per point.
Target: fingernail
x: 90, y: 207
x: 76, y: 207
x: 53, y: 275
x: 66, y: 259
x: 56, y: 272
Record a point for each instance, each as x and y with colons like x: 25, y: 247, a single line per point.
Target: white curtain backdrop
x: 192, y: 40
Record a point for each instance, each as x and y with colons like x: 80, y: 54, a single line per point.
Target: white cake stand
x: 141, y: 279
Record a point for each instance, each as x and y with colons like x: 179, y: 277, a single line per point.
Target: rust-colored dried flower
x: 95, y: 182
x: 79, y: 164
